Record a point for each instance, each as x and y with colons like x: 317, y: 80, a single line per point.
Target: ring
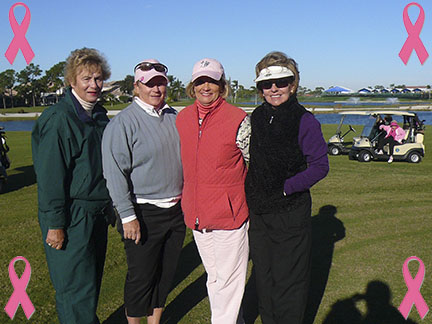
x: 49, y: 244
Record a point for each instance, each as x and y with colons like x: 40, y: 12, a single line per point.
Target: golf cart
x: 412, y: 148
x: 4, y: 160
x: 337, y: 145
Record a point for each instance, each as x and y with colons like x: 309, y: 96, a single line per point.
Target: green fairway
x: 367, y: 219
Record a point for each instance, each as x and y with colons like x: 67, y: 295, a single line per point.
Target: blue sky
x: 350, y: 43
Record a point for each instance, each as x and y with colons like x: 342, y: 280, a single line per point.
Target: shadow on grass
x: 183, y: 302
x: 118, y: 317
x: 379, y: 309
x: 193, y: 293
x: 326, y: 231
x: 25, y: 177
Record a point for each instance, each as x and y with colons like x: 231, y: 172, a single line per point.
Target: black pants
x: 152, y: 263
x: 280, y: 247
x: 390, y: 140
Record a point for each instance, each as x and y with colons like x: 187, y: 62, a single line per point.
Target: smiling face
x: 276, y: 96
x: 207, y: 90
x: 89, y: 83
x: 153, y: 92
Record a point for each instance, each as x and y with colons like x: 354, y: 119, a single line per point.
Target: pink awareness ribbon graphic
x: 19, y: 41
x: 413, y: 295
x: 413, y: 41
x: 19, y: 296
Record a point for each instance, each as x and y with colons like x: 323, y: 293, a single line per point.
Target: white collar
x: 149, y: 109
x: 88, y: 106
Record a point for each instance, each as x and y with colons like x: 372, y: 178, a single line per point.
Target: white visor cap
x: 274, y: 72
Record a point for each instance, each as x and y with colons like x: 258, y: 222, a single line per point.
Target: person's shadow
x: 193, y: 293
x: 379, y: 308
x: 326, y: 231
x: 25, y: 177
x: 186, y: 300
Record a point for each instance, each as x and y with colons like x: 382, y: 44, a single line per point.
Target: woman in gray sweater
x: 141, y: 163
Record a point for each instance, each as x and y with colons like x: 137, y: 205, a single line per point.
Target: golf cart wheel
x: 364, y: 156
x: 414, y: 157
x: 334, y: 150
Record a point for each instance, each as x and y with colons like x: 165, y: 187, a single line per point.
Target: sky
x: 349, y: 43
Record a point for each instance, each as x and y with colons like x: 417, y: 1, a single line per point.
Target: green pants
x: 76, y: 270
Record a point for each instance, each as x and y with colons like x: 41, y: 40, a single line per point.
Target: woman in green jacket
x: 72, y: 194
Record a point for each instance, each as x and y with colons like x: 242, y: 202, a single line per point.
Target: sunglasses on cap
x: 147, y: 66
x: 280, y: 83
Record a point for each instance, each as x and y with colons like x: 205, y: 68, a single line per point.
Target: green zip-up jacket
x: 66, y: 147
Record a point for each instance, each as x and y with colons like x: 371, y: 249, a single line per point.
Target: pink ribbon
x: 19, y: 296
x: 413, y: 295
x: 19, y: 41
x: 413, y: 41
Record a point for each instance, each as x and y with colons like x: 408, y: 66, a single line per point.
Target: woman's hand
x: 55, y: 238
x: 132, y: 231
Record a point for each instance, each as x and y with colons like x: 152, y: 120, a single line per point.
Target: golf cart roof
x: 378, y: 112
x: 357, y: 112
x: 393, y: 112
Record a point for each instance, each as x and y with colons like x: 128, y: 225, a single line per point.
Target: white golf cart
x: 337, y: 144
x: 412, y: 148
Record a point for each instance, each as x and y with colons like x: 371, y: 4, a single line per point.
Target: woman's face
x: 88, y: 84
x: 153, y: 92
x: 207, y: 90
x: 275, y: 95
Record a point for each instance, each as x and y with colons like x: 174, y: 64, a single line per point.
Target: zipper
x: 200, y: 129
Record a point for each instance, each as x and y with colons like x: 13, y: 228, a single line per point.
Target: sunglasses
x: 147, y: 66
x: 280, y: 83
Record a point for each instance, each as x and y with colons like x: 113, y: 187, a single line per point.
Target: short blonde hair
x: 89, y: 58
x: 223, y: 85
x: 279, y: 59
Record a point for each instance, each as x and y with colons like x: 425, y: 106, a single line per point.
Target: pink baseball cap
x: 207, y: 67
x: 148, y: 69
x: 394, y: 123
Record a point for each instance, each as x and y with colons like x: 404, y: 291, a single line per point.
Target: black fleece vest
x: 275, y: 156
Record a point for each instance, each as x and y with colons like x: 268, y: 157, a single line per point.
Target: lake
x: 27, y: 125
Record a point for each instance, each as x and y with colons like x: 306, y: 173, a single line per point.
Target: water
x: 17, y: 125
x: 354, y: 101
x: 360, y: 120
x: 27, y: 125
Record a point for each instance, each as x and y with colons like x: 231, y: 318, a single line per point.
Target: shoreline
x: 246, y: 109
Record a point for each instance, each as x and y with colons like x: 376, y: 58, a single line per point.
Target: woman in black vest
x: 288, y: 155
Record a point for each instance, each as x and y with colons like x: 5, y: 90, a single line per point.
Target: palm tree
x: 234, y: 87
x: 175, y: 88
x: 7, y: 81
x: 27, y: 80
x: 55, y: 77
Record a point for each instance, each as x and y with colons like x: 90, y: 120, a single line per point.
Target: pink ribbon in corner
x: 413, y: 295
x: 19, y: 296
x: 19, y: 41
x: 413, y: 41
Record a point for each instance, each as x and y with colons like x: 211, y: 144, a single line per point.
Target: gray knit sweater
x: 141, y: 157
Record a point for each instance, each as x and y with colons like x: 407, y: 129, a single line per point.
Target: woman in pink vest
x: 395, y: 135
x: 214, y: 138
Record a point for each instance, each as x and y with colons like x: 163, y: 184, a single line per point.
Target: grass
x: 367, y: 219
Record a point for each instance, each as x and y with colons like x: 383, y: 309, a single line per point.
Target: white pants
x: 225, y: 254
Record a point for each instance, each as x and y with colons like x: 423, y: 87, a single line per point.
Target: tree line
x: 24, y: 88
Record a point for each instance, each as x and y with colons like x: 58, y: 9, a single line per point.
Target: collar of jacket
x: 284, y: 106
x: 81, y: 113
